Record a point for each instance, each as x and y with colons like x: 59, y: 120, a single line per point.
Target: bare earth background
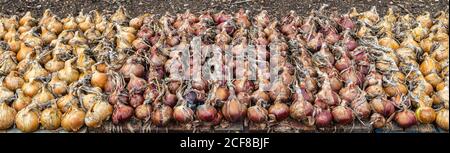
x: 277, y: 8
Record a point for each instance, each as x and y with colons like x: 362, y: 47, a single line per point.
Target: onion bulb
x: 73, y: 119
x: 13, y: 81
x: 51, y: 118
x: 405, y: 118
x: 21, y: 101
x: 425, y: 115
x: 99, y: 112
x: 121, y: 113
x: 143, y: 112
x: 162, y: 114
x: 377, y: 120
x: 7, y: 115
x: 69, y: 73
x: 442, y: 119
x: 27, y: 120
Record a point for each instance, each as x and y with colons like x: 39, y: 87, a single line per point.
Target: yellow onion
x: 429, y: 65
x: 427, y: 43
x: 73, y: 119
x: 92, y: 34
x: 98, y: 78
x: 389, y: 42
x: 46, y: 17
x: 433, y: 79
x: 425, y: 115
x: 99, y: 112
x: 396, y: 89
x: 442, y: 119
x: 119, y: 16
x: 70, y: 24
x: 65, y: 102
x: 7, y: 115
x: 21, y: 101
x: 5, y: 93
x: 69, y: 73
x: 43, y: 96
x: 51, y: 118
x: 35, y: 71
x: 47, y: 36
x: 23, y: 52
x: 31, y: 88
x: 27, y: 19
x: 78, y: 39
x: 88, y: 100
x: 54, y: 65
x: 86, y: 24
x: 54, y: 25
x: 65, y: 36
x: 10, y: 34
x: 57, y: 86
x: 27, y: 119
x: 14, y: 44
x: 2, y: 31
x: 13, y: 81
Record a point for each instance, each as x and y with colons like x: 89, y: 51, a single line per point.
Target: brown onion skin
x: 8, y: 115
x: 244, y: 98
x: 323, y: 118
x: 136, y: 84
x: 442, y: 119
x: 425, y: 115
x: 279, y: 110
x: 405, y: 118
x: 183, y: 114
x: 121, y: 113
x: 361, y: 108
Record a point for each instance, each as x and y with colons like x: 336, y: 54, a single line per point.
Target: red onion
x: 382, y: 106
x: 323, y: 118
x: 121, y: 113
x: 257, y: 113
x: 280, y: 110
x: 405, y: 118
x: 342, y: 114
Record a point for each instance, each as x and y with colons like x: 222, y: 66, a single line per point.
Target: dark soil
x: 275, y: 7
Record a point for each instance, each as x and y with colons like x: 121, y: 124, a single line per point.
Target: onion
x: 405, y: 118
x: 300, y: 109
x: 98, y: 78
x: 69, y: 73
x: 27, y: 120
x: 342, y: 114
x: 206, y: 112
x: 233, y: 110
x: 280, y: 91
x: 121, y: 113
x: 425, y: 115
x: 21, y: 101
x: 7, y: 116
x: 143, y: 112
x: 34, y: 71
x: 323, y: 118
x: 182, y: 113
x: 51, y: 118
x: 257, y: 113
x: 43, y: 96
x: 99, y: 112
x: 442, y: 119
x: 260, y: 94
x: 73, y: 119
x: 222, y: 93
x: 374, y: 91
x: 279, y: 110
x: 382, y: 106
x: 132, y: 67
x: 136, y: 84
x: 361, y: 107
x: 13, y: 81
x: 66, y: 102
x: 161, y: 115
x: 57, y: 86
x: 377, y: 120
x: 350, y: 92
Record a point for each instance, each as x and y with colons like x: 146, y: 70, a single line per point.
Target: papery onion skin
x: 121, y: 113
x: 73, y: 119
x: 425, y: 115
x: 323, y: 118
x: 377, y: 120
x: 51, y: 118
x: 143, y: 112
x: 405, y: 118
x: 7, y: 116
x: 27, y: 120
x: 442, y: 119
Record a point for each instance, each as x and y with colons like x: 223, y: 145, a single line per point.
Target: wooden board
x: 355, y: 127
x: 59, y: 130
x: 287, y: 126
